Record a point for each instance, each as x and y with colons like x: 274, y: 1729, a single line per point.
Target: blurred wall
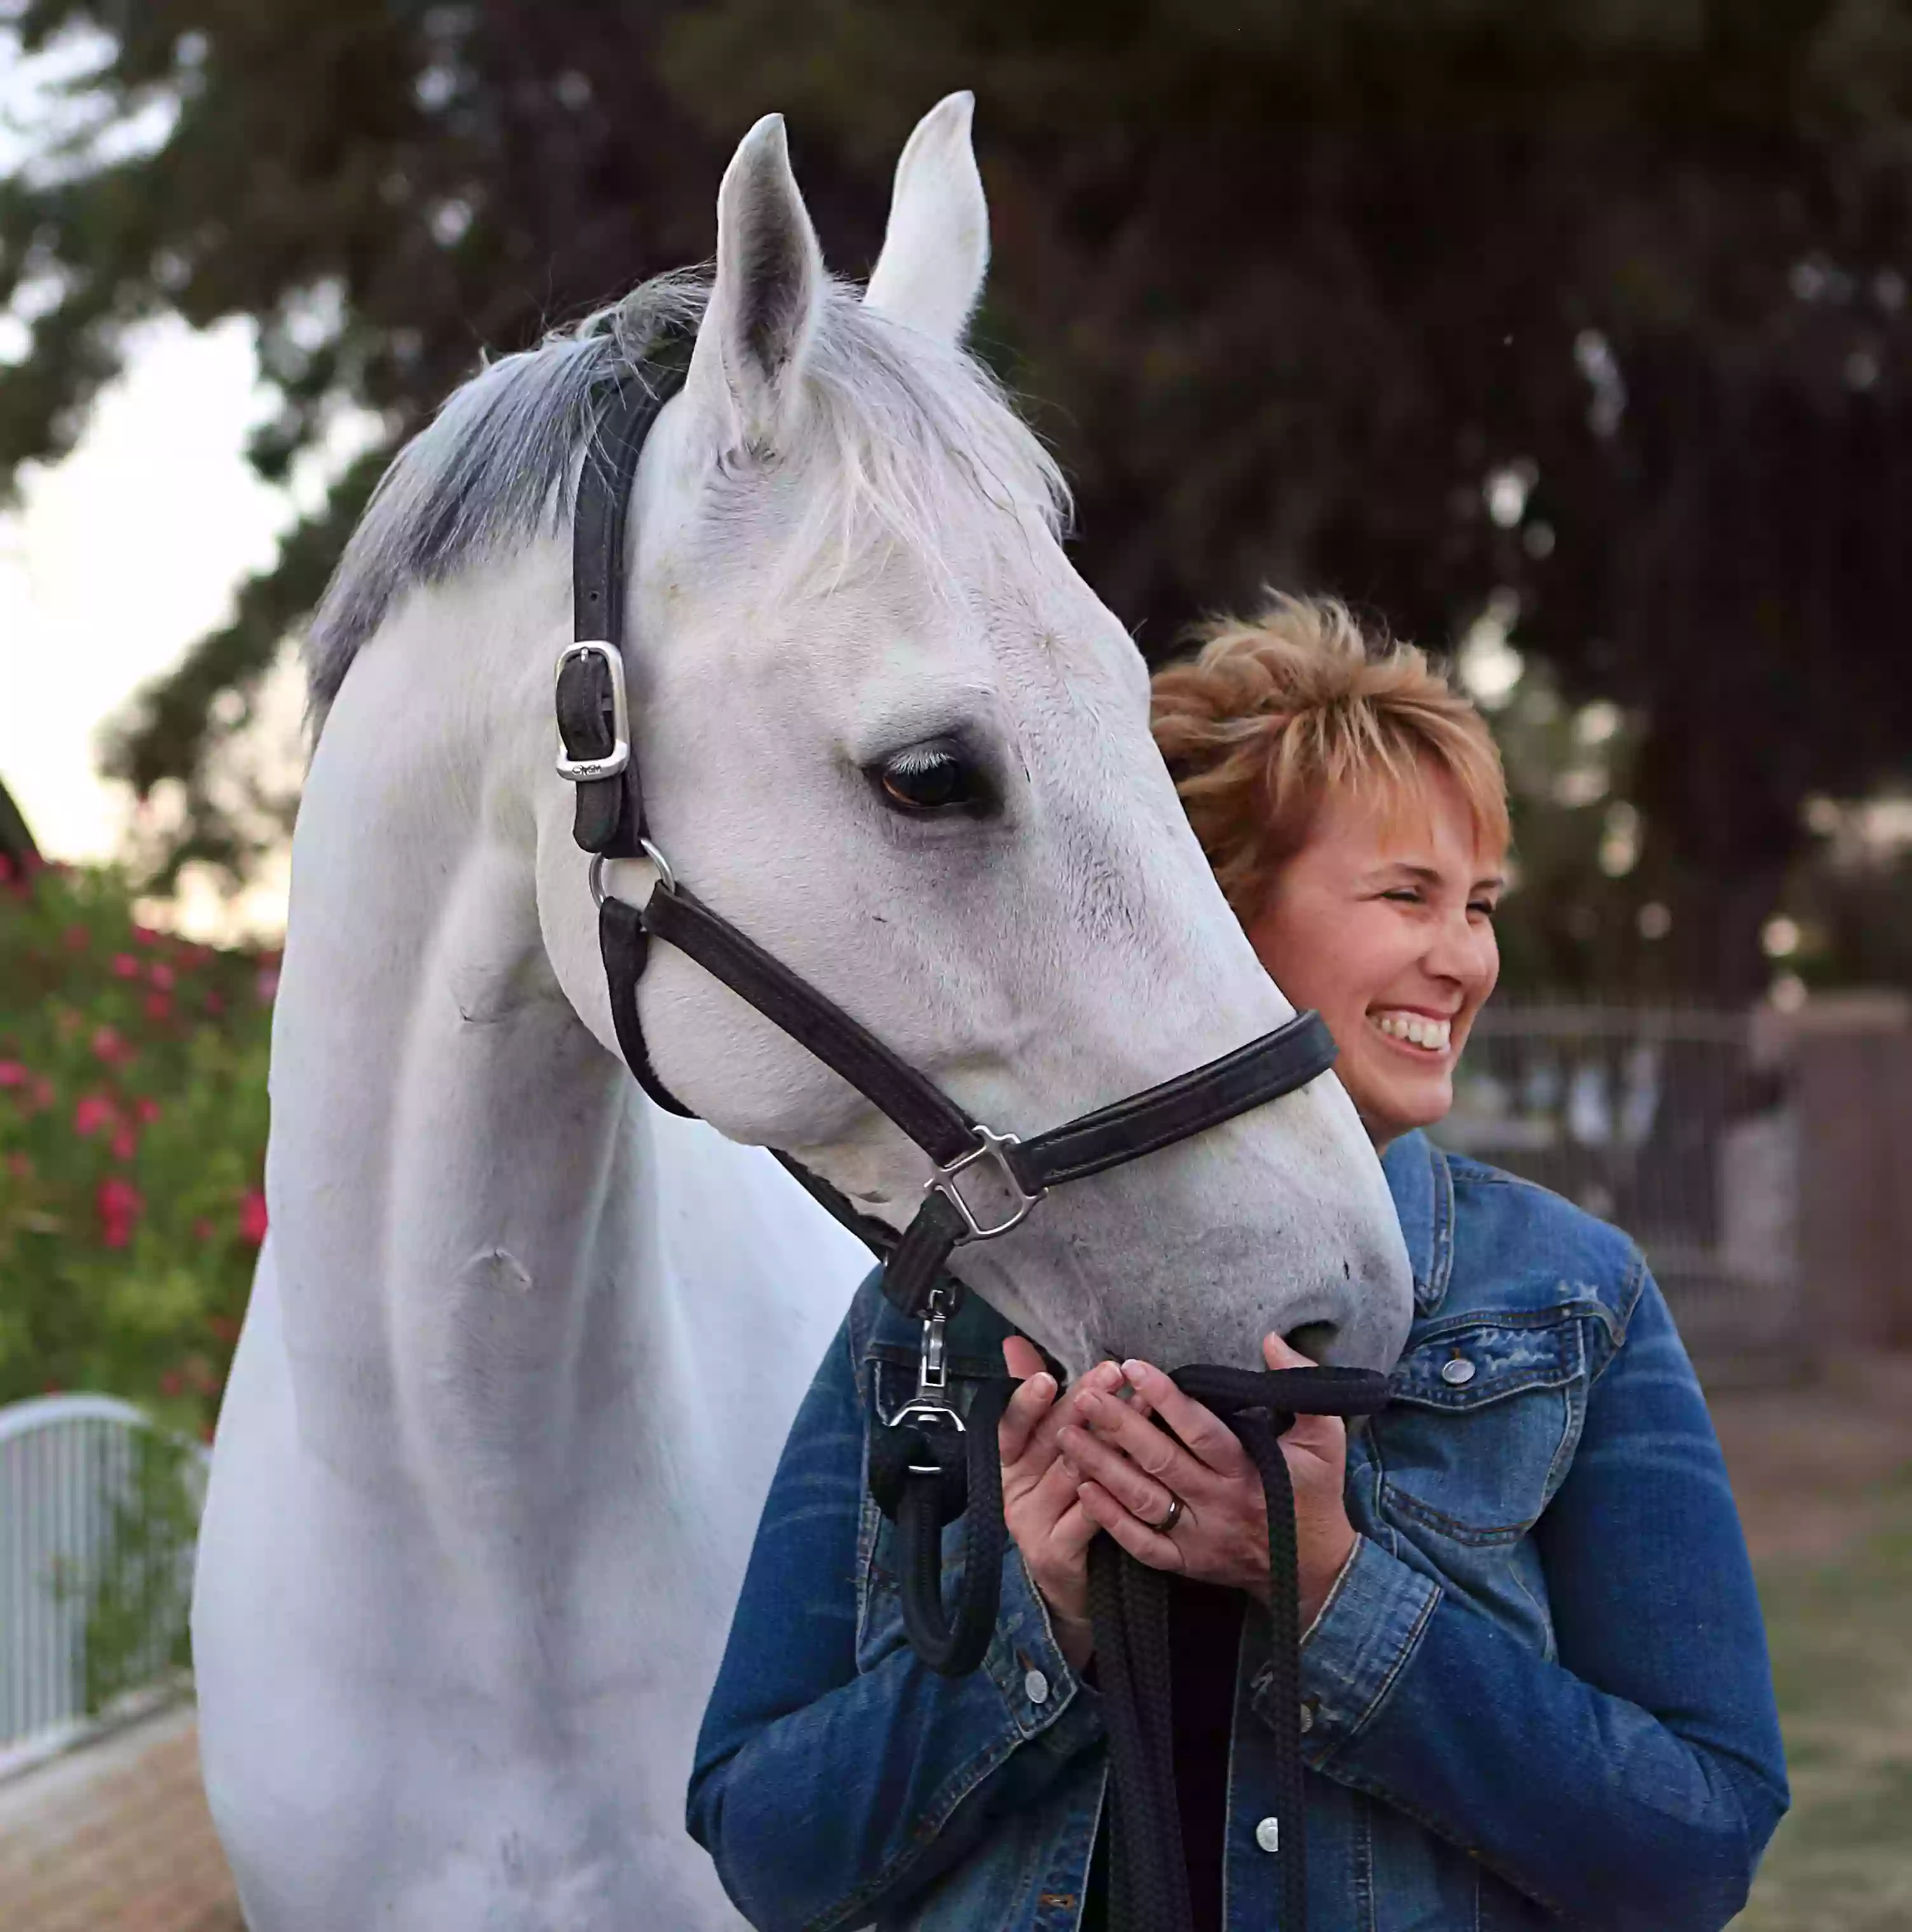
x: 1849, y: 1059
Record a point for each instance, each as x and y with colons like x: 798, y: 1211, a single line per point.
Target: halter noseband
x: 931, y: 1462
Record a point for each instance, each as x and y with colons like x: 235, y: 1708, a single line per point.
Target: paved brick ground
x: 115, y: 1837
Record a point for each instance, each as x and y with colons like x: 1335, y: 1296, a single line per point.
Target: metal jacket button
x: 1268, y: 1834
x: 1457, y: 1373
x: 1035, y: 1687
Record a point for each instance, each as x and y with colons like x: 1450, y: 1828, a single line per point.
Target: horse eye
x: 930, y: 778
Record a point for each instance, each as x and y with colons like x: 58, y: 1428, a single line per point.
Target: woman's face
x: 1384, y: 921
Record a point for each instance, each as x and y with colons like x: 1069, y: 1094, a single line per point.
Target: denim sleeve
x: 824, y: 1793
x: 1633, y: 1784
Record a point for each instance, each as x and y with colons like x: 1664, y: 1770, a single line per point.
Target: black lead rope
x: 932, y: 1463
x: 1129, y: 1607
x: 923, y: 1475
x: 926, y: 1469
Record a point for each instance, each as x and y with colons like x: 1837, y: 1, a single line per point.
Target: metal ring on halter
x: 666, y: 877
x: 1166, y: 1527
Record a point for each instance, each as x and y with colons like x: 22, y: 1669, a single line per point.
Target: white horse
x: 522, y: 1351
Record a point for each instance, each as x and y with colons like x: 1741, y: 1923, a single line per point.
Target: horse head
x: 887, y: 731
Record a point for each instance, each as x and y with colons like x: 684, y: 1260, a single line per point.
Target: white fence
x: 96, y: 1511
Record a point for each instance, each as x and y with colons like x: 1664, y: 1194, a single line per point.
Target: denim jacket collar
x: 1417, y: 1177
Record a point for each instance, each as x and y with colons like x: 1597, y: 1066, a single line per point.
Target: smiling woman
x: 1354, y: 809
x: 1534, y: 1689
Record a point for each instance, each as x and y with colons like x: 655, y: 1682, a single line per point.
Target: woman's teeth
x: 1416, y: 1029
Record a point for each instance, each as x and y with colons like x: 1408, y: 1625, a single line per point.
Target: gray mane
x: 913, y: 428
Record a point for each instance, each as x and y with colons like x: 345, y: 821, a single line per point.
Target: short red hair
x: 1271, y: 714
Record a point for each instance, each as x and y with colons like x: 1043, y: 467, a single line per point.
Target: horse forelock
x: 903, y: 440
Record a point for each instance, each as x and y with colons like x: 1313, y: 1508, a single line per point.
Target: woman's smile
x: 1384, y: 922
x: 1422, y: 1034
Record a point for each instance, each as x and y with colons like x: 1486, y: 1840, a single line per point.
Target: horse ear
x: 937, y: 251
x: 747, y: 364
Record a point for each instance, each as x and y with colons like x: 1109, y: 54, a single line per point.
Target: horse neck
x: 458, y: 1178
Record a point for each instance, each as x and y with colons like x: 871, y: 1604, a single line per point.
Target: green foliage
x: 137, y: 1628
x: 132, y: 1139
x: 1292, y: 287
x: 1841, y: 1642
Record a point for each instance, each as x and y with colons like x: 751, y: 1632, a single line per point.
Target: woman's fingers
x: 1322, y: 1435
x: 1022, y: 1357
x: 1146, y: 1495
x: 1075, y: 1530
x: 1048, y: 1497
x: 1106, y: 1511
x: 1152, y: 1450
x: 1024, y: 1409
x: 1277, y: 1355
x: 1030, y: 1421
x: 1205, y: 1434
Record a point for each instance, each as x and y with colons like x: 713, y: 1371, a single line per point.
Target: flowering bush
x: 132, y: 1140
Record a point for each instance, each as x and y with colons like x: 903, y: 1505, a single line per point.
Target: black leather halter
x: 594, y: 726
x: 930, y: 1461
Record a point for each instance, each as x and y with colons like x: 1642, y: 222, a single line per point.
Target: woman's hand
x: 1128, y: 1470
x: 1039, y: 1500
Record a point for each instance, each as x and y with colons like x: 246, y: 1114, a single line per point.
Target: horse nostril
x: 1312, y: 1340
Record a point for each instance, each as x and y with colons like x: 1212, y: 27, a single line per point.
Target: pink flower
x: 76, y: 938
x: 203, y: 1230
x: 94, y: 1114
x: 158, y: 1006
x: 125, y: 966
x: 6, y: 869
x: 120, y: 1205
x: 125, y: 1141
x: 109, y: 1049
x: 20, y: 1165
x: 42, y: 1095
x: 215, y: 1002
x: 252, y: 1217
x: 12, y: 1073
x: 145, y: 1110
x: 267, y: 984
x: 145, y: 935
x: 160, y: 976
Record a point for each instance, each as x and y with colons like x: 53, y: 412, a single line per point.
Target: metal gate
x: 1675, y: 1125
x: 97, y: 1511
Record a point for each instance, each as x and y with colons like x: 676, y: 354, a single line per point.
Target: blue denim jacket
x: 1538, y: 1694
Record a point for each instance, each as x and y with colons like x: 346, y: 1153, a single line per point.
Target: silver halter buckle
x: 583, y: 771
x: 993, y: 1147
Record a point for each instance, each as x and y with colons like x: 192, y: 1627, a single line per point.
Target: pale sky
x: 115, y: 562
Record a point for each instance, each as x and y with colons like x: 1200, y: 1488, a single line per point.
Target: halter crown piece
x: 934, y: 1461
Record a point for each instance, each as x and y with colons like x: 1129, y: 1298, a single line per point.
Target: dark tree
x: 16, y: 845
x: 1601, y: 304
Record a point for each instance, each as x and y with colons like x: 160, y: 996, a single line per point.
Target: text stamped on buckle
x: 583, y: 771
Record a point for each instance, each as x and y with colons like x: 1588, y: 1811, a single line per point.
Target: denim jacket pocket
x: 1484, y: 1414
